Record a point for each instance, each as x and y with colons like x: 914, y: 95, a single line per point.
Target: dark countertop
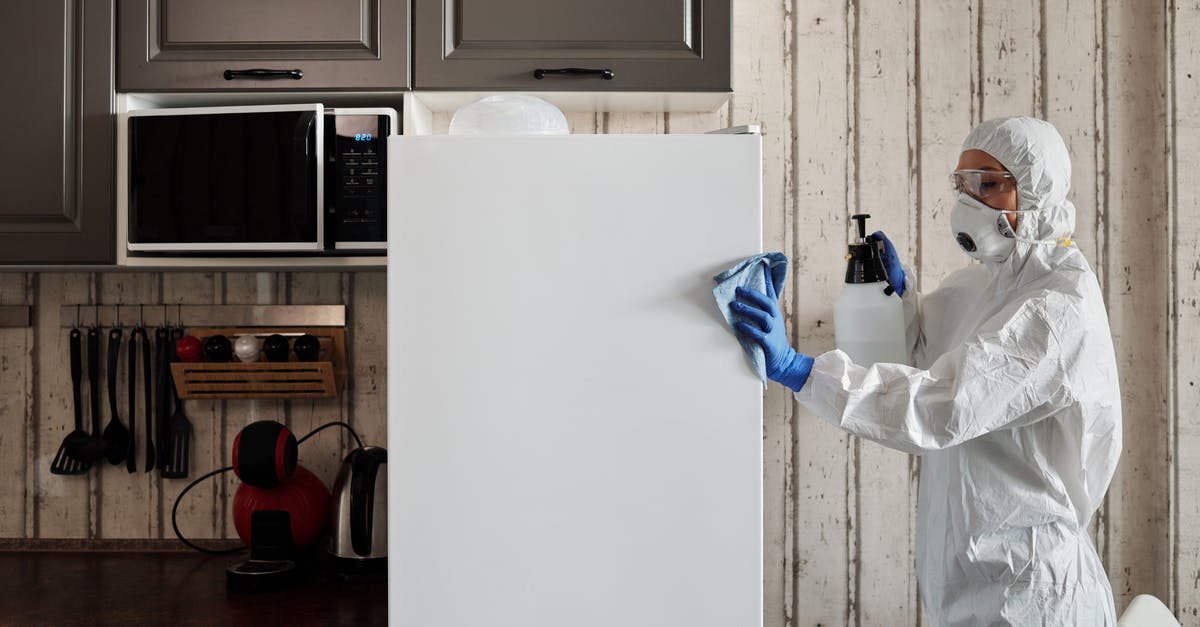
x: 168, y: 588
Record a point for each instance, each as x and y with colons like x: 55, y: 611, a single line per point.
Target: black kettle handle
x: 365, y: 468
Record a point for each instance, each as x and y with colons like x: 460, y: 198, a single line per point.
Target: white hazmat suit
x: 1013, y: 404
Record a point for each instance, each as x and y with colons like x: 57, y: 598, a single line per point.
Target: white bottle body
x: 868, y: 324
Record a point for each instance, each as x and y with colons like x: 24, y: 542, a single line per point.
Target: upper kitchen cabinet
x: 220, y: 45
x: 56, y: 162
x: 622, y: 45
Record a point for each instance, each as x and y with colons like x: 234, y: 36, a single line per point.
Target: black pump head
x: 864, y: 264
x: 861, y: 218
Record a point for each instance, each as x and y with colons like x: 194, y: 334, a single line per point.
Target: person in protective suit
x: 1011, y: 398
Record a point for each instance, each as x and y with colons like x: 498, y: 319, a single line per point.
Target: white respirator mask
x: 981, y: 231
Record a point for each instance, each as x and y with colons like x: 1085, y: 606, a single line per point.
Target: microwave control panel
x: 356, y: 175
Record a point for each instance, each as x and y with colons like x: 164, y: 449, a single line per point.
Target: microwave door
x: 226, y: 179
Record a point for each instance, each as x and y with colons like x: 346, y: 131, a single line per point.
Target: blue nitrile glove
x: 783, y: 363
x: 891, y: 262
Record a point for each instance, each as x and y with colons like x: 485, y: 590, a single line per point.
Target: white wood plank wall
x: 882, y: 94
x: 864, y: 104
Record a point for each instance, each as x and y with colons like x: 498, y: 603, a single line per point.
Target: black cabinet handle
x: 605, y: 73
x: 260, y: 73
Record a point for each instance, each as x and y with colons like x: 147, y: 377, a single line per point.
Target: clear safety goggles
x: 982, y: 183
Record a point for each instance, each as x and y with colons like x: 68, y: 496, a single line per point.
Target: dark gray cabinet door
x: 56, y: 160
x: 649, y: 45
x: 187, y: 45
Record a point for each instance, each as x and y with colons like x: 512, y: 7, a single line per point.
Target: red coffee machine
x: 279, y: 509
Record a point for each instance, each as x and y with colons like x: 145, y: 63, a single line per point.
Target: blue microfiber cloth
x: 751, y: 273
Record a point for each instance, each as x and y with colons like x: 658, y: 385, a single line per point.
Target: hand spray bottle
x: 868, y: 317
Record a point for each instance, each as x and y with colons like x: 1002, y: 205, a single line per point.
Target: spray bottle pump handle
x: 861, y: 218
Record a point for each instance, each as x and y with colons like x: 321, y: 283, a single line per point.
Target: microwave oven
x: 297, y: 179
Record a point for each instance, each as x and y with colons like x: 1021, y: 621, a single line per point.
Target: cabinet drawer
x: 647, y: 45
x: 189, y: 45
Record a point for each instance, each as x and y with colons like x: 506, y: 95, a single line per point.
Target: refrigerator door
x: 575, y: 436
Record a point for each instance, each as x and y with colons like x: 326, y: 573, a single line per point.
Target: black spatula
x: 68, y: 461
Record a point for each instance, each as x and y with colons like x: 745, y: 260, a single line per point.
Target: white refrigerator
x: 574, y: 435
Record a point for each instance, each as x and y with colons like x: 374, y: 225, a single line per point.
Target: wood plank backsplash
x: 36, y: 403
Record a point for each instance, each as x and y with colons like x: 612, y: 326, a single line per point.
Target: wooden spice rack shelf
x: 323, y: 378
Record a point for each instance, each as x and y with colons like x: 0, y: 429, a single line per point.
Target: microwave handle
x: 328, y: 150
x: 307, y: 145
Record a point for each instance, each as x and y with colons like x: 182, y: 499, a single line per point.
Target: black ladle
x: 93, y: 449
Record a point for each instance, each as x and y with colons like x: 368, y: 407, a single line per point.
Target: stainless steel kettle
x: 358, y: 538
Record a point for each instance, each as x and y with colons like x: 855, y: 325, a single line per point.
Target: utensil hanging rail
x: 197, y: 315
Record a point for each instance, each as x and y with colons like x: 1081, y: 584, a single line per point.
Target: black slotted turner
x: 162, y: 410
x: 179, y: 428
x: 68, y: 460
